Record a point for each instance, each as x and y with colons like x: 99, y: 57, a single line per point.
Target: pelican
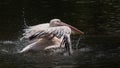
x: 52, y: 35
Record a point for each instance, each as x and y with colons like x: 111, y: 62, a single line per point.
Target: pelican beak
x: 73, y: 28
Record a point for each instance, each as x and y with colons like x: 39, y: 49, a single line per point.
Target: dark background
x: 99, y: 19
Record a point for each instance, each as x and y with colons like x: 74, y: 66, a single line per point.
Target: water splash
x: 24, y: 17
x: 77, y: 43
x: 6, y: 42
x: 11, y: 47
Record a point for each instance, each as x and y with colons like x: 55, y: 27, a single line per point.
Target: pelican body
x: 52, y: 35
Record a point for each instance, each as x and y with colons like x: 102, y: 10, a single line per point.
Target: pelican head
x: 55, y: 22
x: 58, y: 22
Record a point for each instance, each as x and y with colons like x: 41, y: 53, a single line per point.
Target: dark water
x: 90, y: 53
x: 99, y: 47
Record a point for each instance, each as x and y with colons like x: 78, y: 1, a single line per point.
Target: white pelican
x: 51, y: 35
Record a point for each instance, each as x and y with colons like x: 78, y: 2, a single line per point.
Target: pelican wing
x: 42, y: 30
x: 32, y: 30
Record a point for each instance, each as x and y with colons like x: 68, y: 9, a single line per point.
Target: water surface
x: 98, y: 48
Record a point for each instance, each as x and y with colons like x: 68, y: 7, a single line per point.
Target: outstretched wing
x: 42, y: 30
x: 32, y: 30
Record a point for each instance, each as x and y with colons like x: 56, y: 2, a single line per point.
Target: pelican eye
x: 58, y: 21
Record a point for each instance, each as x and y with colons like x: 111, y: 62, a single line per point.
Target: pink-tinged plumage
x: 55, y: 34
